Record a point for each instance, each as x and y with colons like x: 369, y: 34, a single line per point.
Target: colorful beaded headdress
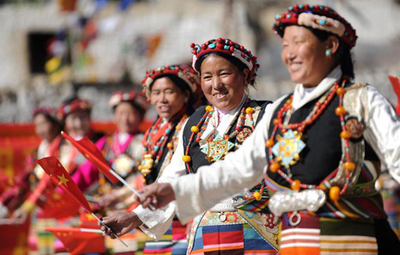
x: 76, y: 105
x: 227, y: 47
x: 184, y: 72
x: 316, y: 17
x: 137, y: 98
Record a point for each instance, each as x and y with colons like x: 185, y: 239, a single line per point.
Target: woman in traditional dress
x: 174, y: 91
x: 29, y: 191
x: 122, y: 149
x: 242, y: 223
x: 322, y: 146
x: 48, y: 129
x: 74, y: 116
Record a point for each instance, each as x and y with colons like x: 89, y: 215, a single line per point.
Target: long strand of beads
x: 155, y: 149
x: 199, y: 129
x: 208, y: 114
x: 335, y: 191
x: 178, y: 127
x: 345, y: 134
x: 195, y: 129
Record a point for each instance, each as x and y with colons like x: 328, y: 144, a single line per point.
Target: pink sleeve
x: 87, y: 174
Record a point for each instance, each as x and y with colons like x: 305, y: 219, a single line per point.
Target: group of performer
x: 233, y: 174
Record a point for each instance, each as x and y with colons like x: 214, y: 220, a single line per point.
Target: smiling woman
x: 167, y: 98
x: 304, y: 55
x: 222, y: 82
x: 226, y: 69
x: 241, y: 224
x: 174, y: 91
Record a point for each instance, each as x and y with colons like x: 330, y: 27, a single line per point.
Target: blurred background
x: 50, y: 50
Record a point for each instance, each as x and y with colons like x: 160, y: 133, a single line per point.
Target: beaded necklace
x: 217, y: 140
x: 155, y: 141
x: 202, y: 125
x: 292, y: 139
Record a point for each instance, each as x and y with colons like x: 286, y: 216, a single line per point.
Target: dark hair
x: 183, y: 87
x: 70, y: 99
x: 343, y: 54
x: 51, y: 119
x: 235, y: 61
x: 136, y: 106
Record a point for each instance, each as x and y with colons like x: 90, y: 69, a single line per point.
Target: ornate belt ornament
x: 289, y: 201
x: 123, y: 165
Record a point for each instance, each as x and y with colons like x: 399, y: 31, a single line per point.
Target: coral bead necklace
x: 155, y: 141
x: 217, y: 146
x: 215, y: 141
x: 285, y: 152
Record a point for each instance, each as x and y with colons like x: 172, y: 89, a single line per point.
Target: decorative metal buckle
x: 290, y: 201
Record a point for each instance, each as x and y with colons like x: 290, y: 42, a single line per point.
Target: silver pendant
x: 222, y: 217
x: 295, y: 219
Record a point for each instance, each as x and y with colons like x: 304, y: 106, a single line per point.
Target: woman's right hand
x: 120, y: 222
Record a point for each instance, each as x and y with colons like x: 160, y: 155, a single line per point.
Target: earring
x: 328, y: 53
x: 186, y: 99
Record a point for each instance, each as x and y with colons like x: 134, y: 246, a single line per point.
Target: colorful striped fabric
x: 230, y: 239
x: 172, y: 242
x: 315, y: 235
x: 303, y: 239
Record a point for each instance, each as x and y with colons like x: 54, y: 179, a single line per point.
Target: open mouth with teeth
x: 164, y: 108
x: 220, y: 95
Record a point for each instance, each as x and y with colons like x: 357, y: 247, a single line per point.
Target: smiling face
x: 44, y: 128
x: 77, y: 123
x: 166, y: 97
x: 127, y: 118
x: 222, y: 82
x: 304, y: 56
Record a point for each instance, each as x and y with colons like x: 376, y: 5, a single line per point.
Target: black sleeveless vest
x: 323, y: 151
x: 198, y: 157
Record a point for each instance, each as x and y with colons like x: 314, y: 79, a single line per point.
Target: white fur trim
x: 335, y: 27
x: 238, y: 54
